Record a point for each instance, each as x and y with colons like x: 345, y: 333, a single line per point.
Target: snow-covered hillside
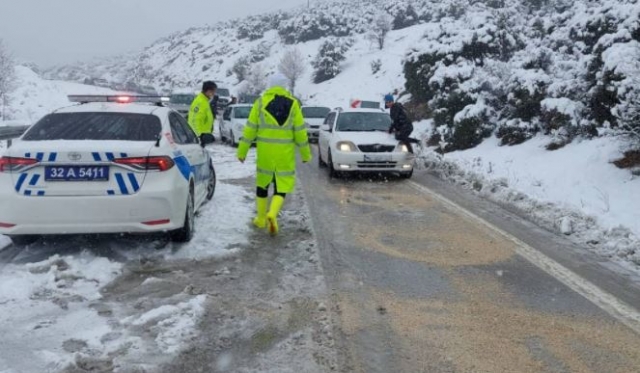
x: 552, y: 74
x: 35, y: 96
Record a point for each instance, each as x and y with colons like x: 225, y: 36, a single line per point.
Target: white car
x: 358, y: 140
x: 106, y: 165
x: 314, y: 117
x: 232, y: 123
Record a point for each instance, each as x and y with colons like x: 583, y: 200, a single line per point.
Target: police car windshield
x: 364, y: 122
x: 223, y: 92
x: 182, y: 99
x: 96, y: 126
x: 315, y: 112
x: 242, y: 112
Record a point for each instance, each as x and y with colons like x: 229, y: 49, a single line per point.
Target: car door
x: 191, y: 158
x: 323, y: 141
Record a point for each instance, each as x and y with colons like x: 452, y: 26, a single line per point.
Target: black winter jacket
x: 401, y: 121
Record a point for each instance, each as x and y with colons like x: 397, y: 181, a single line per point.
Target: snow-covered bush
x: 241, y: 68
x: 382, y: 24
x: 404, y: 14
x: 376, y: 65
x: 260, y: 52
x: 327, y: 62
x: 7, y: 79
x: 292, y: 66
x: 256, y: 81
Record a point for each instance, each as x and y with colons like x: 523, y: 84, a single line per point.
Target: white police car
x: 110, y: 164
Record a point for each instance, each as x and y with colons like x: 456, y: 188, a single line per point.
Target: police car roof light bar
x: 122, y: 99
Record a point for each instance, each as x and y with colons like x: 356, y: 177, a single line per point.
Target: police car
x: 358, y: 140
x: 109, y: 164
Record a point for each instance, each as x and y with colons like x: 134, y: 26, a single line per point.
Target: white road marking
x: 618, y: 309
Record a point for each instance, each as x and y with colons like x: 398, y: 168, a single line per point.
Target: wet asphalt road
x: 416, y: 286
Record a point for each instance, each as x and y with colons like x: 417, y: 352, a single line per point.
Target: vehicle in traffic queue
x: 180, y: 101
x: 358, y: 140
x: 109, y: 164
x: 314, y: 116
x: 224, y: 98
x: 232, y: 123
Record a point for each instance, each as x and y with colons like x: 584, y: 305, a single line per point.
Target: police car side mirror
x: 326, y: 127
x: 206, y: 139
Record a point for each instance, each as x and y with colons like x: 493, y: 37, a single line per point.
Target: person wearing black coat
x: 401, y: 126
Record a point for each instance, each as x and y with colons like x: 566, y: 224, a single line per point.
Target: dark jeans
x: 403, y: 137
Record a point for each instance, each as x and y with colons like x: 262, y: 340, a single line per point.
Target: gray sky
x: 50, y: 32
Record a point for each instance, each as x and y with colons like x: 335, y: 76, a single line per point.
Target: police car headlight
x: 346, y: 146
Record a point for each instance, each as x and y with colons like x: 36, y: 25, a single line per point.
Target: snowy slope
x: 36, y: 96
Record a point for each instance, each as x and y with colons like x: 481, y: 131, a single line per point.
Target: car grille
x: 377, y: 164
x: 376, y: 148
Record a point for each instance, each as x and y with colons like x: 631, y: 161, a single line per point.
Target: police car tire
x: 211, y: 192
x: 185, y: 234
x: 24, y: 240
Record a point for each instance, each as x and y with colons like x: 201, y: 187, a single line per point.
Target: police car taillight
x: 147, y: 163
x: 8, y: 164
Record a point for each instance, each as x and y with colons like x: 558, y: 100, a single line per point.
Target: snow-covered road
x: 124, y: 303
x: 368, y: 275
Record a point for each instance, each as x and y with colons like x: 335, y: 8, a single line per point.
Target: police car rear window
x: 95, y: 126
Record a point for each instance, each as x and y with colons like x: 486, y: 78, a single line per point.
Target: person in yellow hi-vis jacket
x: 201, y: 118
x: 277, y: 126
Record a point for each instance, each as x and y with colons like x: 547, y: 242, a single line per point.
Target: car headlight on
x: 346, y: 146
x: 402, y: 148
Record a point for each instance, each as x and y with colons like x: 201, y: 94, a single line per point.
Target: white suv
x: 358, y: 140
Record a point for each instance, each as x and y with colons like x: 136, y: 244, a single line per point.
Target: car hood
x: 314, y: 121
x: 367, y: 138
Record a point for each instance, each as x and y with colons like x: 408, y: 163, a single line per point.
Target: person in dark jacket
x: 401, y: 126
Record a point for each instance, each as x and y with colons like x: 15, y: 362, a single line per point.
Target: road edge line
x: 616, y: 308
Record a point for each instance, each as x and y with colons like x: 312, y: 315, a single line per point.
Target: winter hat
x: 389, y: 98
x: 278, y: 80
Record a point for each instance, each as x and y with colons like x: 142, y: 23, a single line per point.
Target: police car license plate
x: 76, y: 173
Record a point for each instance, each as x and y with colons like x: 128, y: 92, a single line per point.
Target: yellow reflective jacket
x: 276, y: 142
x: 200, y: 115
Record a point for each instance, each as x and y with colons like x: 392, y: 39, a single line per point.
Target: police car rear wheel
x: 185, y: 234
x: 211, y: 186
